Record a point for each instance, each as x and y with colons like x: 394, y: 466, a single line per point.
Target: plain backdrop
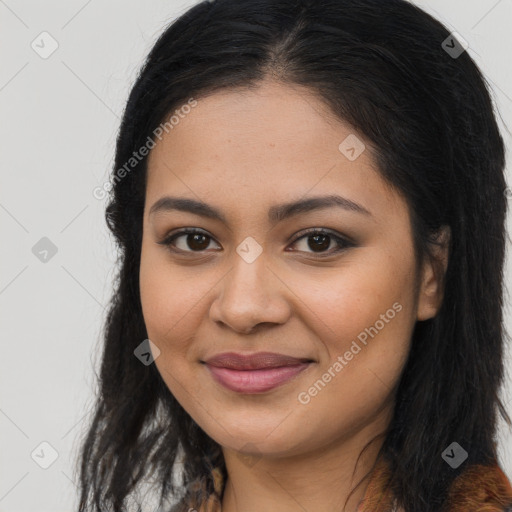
x: 59, y: 120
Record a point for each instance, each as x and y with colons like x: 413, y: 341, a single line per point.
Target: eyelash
x: 342, y: 242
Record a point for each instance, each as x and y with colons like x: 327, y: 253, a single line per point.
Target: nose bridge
x: 247, y: 283
x: 250, y: 293
x: 250, y: 266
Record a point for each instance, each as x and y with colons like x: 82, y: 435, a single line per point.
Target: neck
x: 319, y: 480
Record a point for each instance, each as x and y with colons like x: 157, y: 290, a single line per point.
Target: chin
x: 260, y: 441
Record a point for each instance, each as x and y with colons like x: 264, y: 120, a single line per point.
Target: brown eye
x: 197, y: 241
x: 193, y: 240
x: 319, y: 241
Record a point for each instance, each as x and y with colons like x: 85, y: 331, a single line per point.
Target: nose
x: 249, y: 296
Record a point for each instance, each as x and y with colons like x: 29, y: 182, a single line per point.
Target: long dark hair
x: 386, y: 69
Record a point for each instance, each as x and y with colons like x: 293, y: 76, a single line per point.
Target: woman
x: 309, y: 201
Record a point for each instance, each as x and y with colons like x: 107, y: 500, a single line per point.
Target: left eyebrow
x: 276, y: 213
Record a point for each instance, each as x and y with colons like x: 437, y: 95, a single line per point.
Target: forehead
x: 272, y: 144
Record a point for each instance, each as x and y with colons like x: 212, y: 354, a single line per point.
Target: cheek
x: 162, y: 298
x: 170, y: 308
x: 351, y: 299
x: 172, y: 300
x: 370, y: 319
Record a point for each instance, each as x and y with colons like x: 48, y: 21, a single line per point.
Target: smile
x: 255, y: 373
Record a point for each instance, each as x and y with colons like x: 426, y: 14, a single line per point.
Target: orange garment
x: 478, y: 489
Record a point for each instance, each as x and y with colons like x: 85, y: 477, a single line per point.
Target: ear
x: 431, y: 290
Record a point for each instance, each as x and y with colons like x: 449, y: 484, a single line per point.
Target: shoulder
x: 478, y: 488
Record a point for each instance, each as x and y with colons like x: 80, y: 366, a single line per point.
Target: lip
x: 255, y: 373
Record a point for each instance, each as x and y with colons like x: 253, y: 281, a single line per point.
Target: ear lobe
x: 431, y: 291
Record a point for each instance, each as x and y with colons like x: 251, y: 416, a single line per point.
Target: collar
x: 476, y: 489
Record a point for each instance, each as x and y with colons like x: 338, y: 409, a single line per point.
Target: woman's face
x: 255, y: 281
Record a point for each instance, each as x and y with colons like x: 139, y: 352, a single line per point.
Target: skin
x: 242, y: 152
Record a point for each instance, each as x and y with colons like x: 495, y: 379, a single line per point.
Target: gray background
x: 59, y: 122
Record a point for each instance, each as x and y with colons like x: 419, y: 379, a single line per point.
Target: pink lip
x: 255, y: 373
